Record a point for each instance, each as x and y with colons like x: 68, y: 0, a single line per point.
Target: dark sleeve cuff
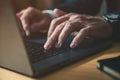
x: 116, y: 31
x: 114, y: 20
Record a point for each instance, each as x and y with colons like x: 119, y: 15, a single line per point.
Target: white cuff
x: 49, y: 12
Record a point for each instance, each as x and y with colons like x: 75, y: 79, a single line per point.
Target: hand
x: 34, y: 20
x: 87, y: 26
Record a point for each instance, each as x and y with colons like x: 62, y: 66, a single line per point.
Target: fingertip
x: 76, y: 41
x: 19, y: 14
x: 26, y: 28
x: 73, y: 45
x: 59, y: 12
x: 47, y: 47
x: 27, y: 33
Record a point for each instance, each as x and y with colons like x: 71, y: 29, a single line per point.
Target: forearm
x: 81, y: 6
x: 90, y: 7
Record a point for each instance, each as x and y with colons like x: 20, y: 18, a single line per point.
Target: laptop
x: 28, y: 57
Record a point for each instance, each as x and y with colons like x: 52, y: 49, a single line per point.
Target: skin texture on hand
x: 33, y: 20
x: 86, y: 25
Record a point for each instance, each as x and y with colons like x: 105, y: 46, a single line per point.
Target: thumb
x: 59, y: 12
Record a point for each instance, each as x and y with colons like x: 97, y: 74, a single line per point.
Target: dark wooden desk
x: 81, y: 70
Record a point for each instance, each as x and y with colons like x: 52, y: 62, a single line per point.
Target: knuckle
x: 69, y: 24
x: 30, y: 8
x: 53, y: 21
x: 59, y: 27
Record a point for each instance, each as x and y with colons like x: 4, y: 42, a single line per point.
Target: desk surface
x: 81, y: 70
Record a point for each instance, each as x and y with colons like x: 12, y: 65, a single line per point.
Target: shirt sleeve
x: 113, y: 18
x: 91, y: 7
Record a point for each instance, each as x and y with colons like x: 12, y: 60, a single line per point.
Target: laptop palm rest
x: 87, y: 48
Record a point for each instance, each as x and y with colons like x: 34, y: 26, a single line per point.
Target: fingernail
x: 73, y: 45
x: 58, y: 45
x: 47, y: 47
x: 27, y: 33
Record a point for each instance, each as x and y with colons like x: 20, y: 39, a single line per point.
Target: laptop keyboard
x: 36, y: 51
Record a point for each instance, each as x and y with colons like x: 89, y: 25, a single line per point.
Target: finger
x: 59, y: 12
x: 56, y: 22
x: 79, y: 37
x: 68, y: 28
x: 26, y: 22
x: 41, y: 24
x: 26, y: 27
x: 54, y: 37
x: 20, y: 13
